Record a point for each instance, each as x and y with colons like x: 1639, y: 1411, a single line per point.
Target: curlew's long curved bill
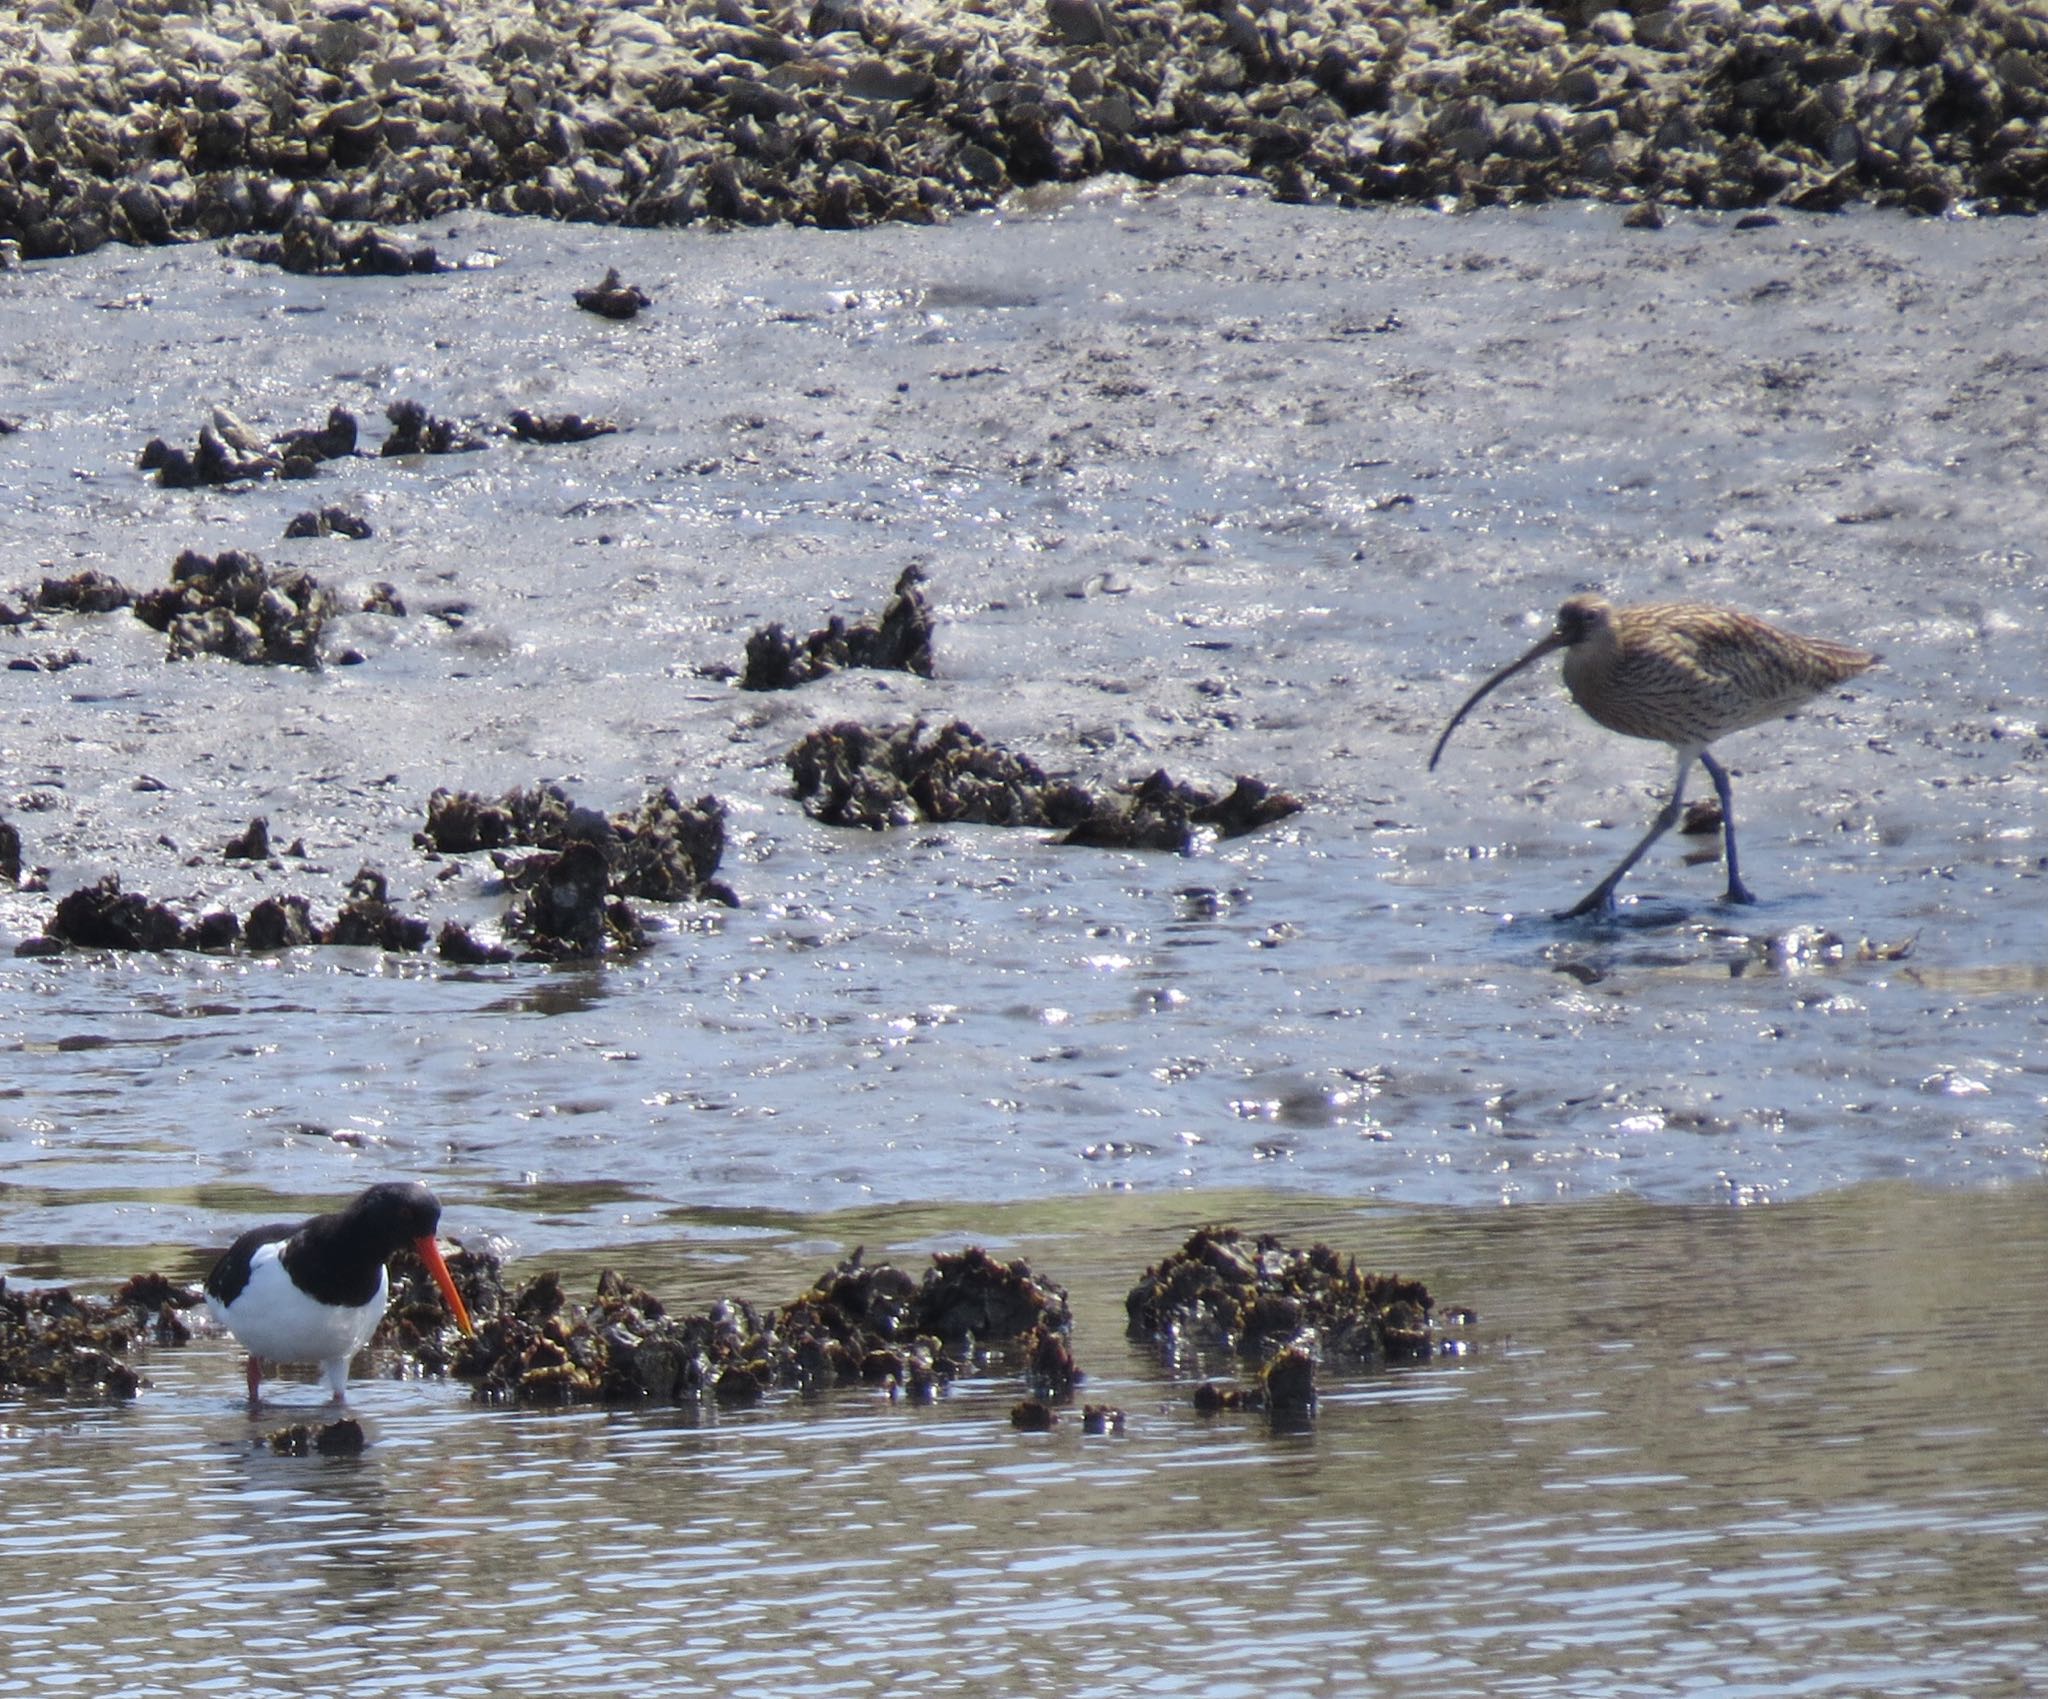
x: 1551, y: 641
x: 430, y: 1254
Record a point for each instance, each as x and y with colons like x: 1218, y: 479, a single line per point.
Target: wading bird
x: 313, y: 1292
x: 1682, y: 673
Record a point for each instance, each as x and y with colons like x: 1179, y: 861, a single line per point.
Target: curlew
x: 1682, y: 673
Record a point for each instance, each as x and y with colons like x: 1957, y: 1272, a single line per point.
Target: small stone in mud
x: 51, y: 661
x: 328, y: 522
x: 1101, y: 1419
x: 383, y: 598
x: 1033, y: 1416
x: 900, y: 640
x: 613, y: 298
x: 563, y: 427
x: 252, y: 843
x: 10, y: 852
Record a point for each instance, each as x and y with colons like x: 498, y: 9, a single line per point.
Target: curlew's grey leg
x: 1737, y: 891
x: 1600, y: 900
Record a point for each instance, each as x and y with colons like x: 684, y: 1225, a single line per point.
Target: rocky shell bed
x: 150, y: 123
x: 1281, y: 1311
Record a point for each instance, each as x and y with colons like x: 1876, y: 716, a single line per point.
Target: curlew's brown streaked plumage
x: 1682, y: 673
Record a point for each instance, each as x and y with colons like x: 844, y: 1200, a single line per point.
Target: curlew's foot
x: 1738, y: 892
x: 1599, y: 900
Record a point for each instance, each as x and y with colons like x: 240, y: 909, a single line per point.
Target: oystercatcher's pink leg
x: 255, y: 1380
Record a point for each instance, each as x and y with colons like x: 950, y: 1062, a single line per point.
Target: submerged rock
x: 343, y: 1438
x: 899, y: 640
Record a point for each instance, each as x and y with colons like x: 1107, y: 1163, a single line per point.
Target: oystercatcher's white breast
x: 273, y: 1318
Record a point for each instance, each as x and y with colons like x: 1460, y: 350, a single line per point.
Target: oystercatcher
x: 314, y: 1292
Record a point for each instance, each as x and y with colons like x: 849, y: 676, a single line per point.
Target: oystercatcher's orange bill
x: 430, y: 1254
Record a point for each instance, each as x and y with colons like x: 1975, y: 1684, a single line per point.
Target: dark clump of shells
x: 848, y: 775
x: 1285, y: 1310
x: 416, y: 431
x: 315, y: 246
x: 417, y: 1328
x: 613, y: 298
x: 562, y: 427
x: 52, y: 1340
x: 135, y: 123
x: 231, y: 604
x: 230, y: 452
x: 87, y: 592
x: 328, y: 522
x: 343, y: 1438
x: 858, y: 1324
x: 900, y: 640
x: 102, y: 916
x: 1163, y: 813
x: 570, y: 894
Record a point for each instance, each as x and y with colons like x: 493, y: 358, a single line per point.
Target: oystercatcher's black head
x: 384, y: 1218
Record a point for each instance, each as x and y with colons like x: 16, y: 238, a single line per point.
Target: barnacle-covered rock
x: 231, y: 604
x: 899, y: 640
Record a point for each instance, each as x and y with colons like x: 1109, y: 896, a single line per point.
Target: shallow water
x: 1200, y: 482
x: 1796, y: 1449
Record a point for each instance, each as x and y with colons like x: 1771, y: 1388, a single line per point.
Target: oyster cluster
x: 142, y: 122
